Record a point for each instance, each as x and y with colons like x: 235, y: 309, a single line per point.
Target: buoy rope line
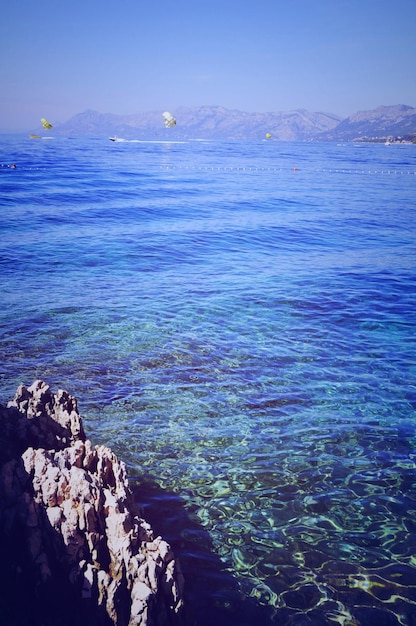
x: 169, y: 168
x: 206, y: 168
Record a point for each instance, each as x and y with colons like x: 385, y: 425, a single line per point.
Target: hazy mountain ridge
x: 216, y: 122
x: 380, y: 123
x: 204, y: 122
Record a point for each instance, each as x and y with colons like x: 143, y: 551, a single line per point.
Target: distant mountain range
x: 215, y: 122
x: 385, y: 122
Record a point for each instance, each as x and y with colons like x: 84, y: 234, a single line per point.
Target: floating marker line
x: 282, y: 169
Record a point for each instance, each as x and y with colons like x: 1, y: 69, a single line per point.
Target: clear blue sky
x: 127, y: 56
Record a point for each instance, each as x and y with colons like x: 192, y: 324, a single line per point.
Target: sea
x: 238, y: 323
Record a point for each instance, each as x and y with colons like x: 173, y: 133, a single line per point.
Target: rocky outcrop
x: 74, y: 548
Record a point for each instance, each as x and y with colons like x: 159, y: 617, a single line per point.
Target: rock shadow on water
x: 212, y: 594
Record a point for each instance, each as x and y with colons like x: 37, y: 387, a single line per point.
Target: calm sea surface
x: 237, y: 321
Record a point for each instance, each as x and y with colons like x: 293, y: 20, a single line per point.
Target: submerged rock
x: 74, y: 548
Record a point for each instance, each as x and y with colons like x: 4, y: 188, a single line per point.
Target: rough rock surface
x: 74, y: 548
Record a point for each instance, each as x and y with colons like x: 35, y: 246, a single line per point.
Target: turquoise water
x: 237, y: 321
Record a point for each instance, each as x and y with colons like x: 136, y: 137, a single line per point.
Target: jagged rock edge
x: 70, y: 505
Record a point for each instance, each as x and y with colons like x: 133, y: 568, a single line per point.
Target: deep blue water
x: 237, y: 321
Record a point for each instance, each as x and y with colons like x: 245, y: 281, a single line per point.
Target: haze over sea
x: 237, y: 321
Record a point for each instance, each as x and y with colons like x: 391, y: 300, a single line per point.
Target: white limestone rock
x: 82, y: 535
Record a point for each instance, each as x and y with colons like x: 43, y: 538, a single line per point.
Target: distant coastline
x: 395, y: 124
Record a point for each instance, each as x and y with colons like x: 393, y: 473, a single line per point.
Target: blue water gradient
x: 238, y: 322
